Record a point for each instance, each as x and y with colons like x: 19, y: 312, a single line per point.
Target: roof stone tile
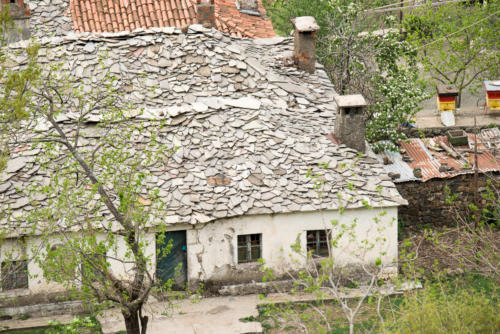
x: 257, y: 144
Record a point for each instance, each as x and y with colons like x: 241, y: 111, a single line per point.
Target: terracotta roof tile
x: 121, y: 15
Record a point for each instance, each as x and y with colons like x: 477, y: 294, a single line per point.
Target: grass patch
x: 296, y: 317
x: 28, y: 331
x: 86, y: 325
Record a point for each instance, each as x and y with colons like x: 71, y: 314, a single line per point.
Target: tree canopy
x: 457, y: 43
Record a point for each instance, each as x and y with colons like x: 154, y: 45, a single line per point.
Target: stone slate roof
x: 249, y: 125
x: 58, y: 17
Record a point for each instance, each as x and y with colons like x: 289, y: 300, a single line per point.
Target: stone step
x: 33, y: 323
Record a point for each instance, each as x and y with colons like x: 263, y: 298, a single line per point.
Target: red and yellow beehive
x: 446, y: 97
x: 492, y: 88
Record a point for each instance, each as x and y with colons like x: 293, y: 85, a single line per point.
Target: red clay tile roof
x: 121, y: 15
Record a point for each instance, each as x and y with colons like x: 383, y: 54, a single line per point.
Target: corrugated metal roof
x: 398, y: 167
x: 429, y: 156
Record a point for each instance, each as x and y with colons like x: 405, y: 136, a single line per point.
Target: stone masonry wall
x: 439, y: 131
x: 427, y: 200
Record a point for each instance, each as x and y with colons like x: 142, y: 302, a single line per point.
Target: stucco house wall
x: 212, y: 247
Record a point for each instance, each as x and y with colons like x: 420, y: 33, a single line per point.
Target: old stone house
x: 428, y: 171
x: 249, y: 126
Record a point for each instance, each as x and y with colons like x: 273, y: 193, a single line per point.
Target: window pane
x: 255, y: 253
x: 14, y: 275
x: 242, y: 254
x: 311, y: 241
x: 317, y: 242
x: 249, y: 247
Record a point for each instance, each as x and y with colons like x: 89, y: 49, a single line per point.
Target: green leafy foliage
x: 77, y: 326
x: 457, y: 43
x: 14, y: 95
x: 380, y: 67
x: 282, y: 11
x: 444, y: 308
x: 99, y: 207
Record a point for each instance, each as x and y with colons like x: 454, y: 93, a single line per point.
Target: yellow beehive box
x: 492, y: 89
x: 446, y: 96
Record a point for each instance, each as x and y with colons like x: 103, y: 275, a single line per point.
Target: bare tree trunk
x: 459, y: 99
x: 134, y: 322
x: 476, y: 172
x: 401, y: 13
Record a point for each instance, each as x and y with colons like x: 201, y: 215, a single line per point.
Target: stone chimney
x: 17, y: 8
x: 304, y: 53
x: 206, y: 13
x: 20, y: 15
x: 250, y: 7
x: 350, y: 122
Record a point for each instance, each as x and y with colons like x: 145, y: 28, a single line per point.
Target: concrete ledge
x: 43, y: 310
x: 32, y: 323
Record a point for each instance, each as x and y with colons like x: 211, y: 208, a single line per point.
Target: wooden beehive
x: 492, y: 88
x: 446, y: 96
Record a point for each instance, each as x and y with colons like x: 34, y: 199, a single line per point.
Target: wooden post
x: 476, y: 172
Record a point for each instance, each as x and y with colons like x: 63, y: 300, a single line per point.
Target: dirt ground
x: 453, y: 250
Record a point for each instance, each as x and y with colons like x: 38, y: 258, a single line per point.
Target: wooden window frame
x: 319, y: 243
x: 245, y: 241
x: 14, y: 275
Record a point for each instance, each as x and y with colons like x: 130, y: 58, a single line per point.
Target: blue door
x: 172, y: 264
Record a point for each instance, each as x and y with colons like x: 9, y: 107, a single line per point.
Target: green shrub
x: 77, y: 326
x: 443, y: 310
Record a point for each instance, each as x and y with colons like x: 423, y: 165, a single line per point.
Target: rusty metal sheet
x: 429, y: 160
x: 398, y: 167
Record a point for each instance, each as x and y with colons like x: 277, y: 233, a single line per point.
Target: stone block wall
x: 439, y: 131
x: 427, y: 200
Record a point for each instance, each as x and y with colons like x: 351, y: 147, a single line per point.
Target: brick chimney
x: 350, y: 122
x: 304, y: 53
x: 206, y: 13
x: 250, y: 7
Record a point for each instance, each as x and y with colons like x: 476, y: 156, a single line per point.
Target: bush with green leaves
x: 441, y: 308
x: 76, y: 326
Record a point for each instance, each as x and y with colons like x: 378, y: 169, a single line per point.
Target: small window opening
x: 249, y: 248
x: 14, y: 275
x: 317, y: 242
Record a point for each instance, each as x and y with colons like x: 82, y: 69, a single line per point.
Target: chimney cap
x: 305, y: 24
x: 344, y: 101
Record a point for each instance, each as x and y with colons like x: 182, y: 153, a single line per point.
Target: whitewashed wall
x: 212, y: 248
x: 15, y: 250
